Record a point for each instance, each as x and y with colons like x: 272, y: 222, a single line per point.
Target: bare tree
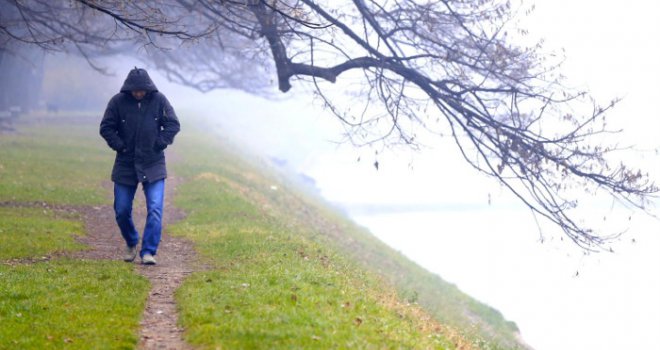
x: 443, y: 67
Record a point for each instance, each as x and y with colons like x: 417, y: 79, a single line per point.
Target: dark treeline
x: 31, y: 79
x: 21, y: 77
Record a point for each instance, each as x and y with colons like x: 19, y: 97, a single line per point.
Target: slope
x: 284, y: 229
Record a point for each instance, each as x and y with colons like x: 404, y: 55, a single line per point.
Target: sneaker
x: 148, y: 259
x: 131, y: 253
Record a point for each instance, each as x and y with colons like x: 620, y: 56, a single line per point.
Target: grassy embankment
x: 59, y: 303
x: 292, y: 272
x: 273, y: 284
x: 286, y: 270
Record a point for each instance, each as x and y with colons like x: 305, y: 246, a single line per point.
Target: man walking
x: 138, y: 124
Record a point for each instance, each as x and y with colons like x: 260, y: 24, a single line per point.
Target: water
x: 559, y: 298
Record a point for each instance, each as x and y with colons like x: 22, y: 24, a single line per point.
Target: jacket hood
x: 138, y: 79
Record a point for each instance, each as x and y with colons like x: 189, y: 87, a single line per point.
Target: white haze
x: 466, y: 228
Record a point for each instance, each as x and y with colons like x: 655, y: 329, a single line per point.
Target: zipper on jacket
x: 137, y: 129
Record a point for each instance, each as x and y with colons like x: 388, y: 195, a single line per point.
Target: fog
x: 467, y: 229
x: 433, y: 208
x: 436, y: 210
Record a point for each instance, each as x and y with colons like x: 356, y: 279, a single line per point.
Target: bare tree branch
x: 445, y: 67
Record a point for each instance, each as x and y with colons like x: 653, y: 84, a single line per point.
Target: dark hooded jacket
x: 139, y: 131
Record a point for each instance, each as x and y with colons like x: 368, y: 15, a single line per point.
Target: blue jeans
x: 154, y: 193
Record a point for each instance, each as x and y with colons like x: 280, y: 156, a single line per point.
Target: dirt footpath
x: 176, y: 259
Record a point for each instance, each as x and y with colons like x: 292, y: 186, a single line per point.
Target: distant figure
x: 138, y: 124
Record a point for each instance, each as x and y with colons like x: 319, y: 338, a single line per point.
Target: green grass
x: 250, y: 231
x: 70, y: 304
x: 63, y: 303
x: 482, y: 324
x: 287, y: 271
x: 63, y: 161
x: 274, y: 285
x: 28, y: 232
x: 272, y: 288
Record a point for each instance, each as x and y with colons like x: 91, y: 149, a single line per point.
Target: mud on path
x: 176, y: 259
